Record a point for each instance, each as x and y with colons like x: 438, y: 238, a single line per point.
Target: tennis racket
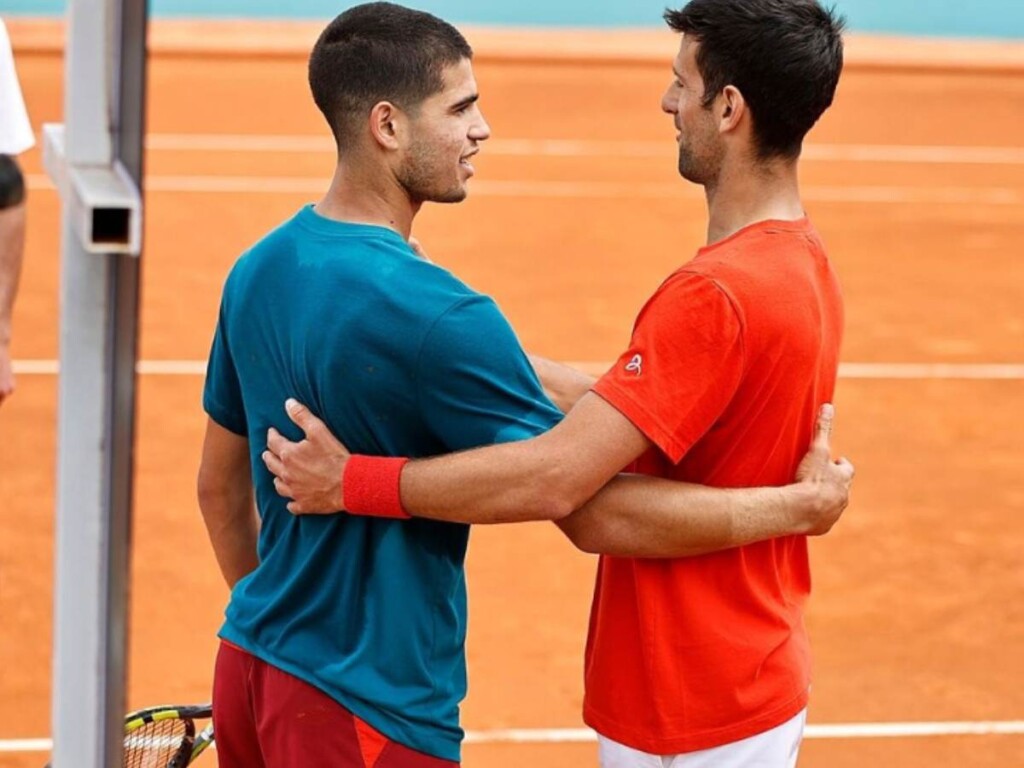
x: 203, y: 740
x: 165, y: 737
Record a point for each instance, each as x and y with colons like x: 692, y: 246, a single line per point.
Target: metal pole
x: 97, y: 162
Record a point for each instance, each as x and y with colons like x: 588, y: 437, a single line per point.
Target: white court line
x: 301, y: 185
x: 228, y: 142
x: 962, y: 371
x: 142, y: 367
x: 26, y: 745
x: 878, y: 153
x: 930, y: 371
x: 585, y: 735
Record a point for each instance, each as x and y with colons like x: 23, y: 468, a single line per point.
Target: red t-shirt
x: 727, y: 366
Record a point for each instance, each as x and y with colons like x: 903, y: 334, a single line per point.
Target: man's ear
x: 384, y: 124
x: 731, y: 108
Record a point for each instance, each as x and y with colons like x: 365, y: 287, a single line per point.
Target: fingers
x: 847, y: 467
x: 276, y: 442
x: 304, y: 418
x: 299, y: 414
x: 282, y: 488
x: 823, y: 426
x: 273, y: 464
x: 418, y: 249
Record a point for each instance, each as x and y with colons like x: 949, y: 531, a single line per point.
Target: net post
x: 96, y: 164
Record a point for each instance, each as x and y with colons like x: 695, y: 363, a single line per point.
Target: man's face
x: 700, y: 146
x: 446, y: 131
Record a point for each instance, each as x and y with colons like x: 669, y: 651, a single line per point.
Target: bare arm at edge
x: 224, y: 488
x: 12, y: 249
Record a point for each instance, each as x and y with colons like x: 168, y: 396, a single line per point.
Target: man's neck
x: 368, y: 196
x: 745, y: 194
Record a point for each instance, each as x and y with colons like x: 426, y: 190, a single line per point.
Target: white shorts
x: 777, y: 748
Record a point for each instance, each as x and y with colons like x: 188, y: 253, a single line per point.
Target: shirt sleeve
x: 222, y: 393
x: 474, y: 382
x: 683, y: 365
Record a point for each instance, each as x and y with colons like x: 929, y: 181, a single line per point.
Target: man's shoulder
x: 433, y: 292
x: 695, y: 281
x: 372, y: 277
x: 265, y: 247
x: 759, y: 259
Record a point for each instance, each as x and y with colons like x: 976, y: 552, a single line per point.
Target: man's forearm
x: 233, y: 526
x: 562, y: 384
x: 544, y: 478
x: 514, y: 482
x: 638, y: 516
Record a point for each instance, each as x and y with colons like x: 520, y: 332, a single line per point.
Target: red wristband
x: 370, y: 486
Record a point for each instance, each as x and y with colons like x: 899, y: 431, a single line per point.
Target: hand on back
x: 828, y: 480
x: 308, y: 472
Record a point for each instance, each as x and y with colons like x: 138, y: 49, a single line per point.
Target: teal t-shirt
x: 399, y: 358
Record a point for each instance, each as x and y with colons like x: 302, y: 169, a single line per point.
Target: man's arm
x: 546, y: 478
x: 637, y: 516
x: 12, y: 248
x: 226, y: 500
x: 562, y: 384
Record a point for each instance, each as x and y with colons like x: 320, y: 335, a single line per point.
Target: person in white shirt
x: 15, y: 137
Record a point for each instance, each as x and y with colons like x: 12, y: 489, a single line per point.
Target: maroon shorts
x: 266, y: 718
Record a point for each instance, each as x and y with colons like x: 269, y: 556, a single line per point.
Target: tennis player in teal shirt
x: 335, y: 307
x: 403, y: 358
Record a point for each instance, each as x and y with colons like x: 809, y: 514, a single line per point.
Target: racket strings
x: 155, y: 744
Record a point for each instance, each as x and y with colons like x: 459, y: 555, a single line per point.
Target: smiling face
x: 445, y: 132
x: 701, y: 149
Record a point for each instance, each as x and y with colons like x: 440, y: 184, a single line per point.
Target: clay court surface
x: 915, y: 179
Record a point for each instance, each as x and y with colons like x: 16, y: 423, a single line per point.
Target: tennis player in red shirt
x: 702, y: 661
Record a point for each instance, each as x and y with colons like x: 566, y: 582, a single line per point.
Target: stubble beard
x: 424, y: 178
x: 699, y: 164
x: 688, y: 168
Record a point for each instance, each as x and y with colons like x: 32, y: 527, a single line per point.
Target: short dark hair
x: 784, y: 56
x: 380, y: 52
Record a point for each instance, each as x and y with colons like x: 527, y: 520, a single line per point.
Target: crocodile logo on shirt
x: 636, y: 365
